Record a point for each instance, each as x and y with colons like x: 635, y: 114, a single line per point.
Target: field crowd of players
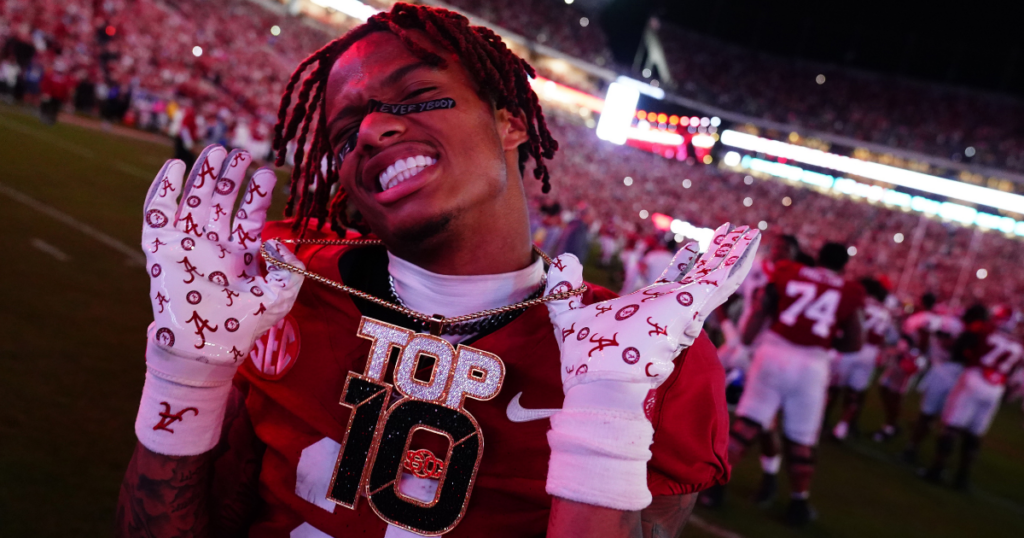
x: 803, y: 340
x: 132, y: 62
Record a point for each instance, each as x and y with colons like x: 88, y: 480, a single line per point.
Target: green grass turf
x: 71, y: 352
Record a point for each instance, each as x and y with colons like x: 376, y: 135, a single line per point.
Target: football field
x: 73, y: 314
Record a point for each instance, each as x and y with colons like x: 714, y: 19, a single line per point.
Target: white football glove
x: 615, y: 352
x: 209, y: 301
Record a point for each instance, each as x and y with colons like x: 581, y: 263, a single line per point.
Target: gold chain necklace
x: 435, y: 322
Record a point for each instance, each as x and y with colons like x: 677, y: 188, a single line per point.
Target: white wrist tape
x: 600, y: 457
x: 190, y: 369
x: 179, y: 420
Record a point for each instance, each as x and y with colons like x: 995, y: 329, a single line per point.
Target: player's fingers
x: 194, y: 208
x: 722, y: 277
x: 703, y: 263
x: 681, y: 263
x: 749, y: 243
x: 565, y: 274
x: 161, y: 201
x: 278, y: 275
x: 225, y: 193
x: 247, y: 228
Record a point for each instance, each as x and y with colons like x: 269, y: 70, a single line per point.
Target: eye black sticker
x: 443, y: 103
x: 402, y: 110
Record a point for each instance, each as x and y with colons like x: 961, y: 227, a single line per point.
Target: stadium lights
x: 880, y: 172
x: 946, y: 210
x: 352, y: 8
x: 553, y: 91
x: 664, y: 138
x: 703, y: 141
x: 617, y: 116
x: 642, y: 87
x: 701, y: 235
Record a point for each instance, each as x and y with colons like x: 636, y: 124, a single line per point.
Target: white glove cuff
x: 179, y: 420
x: 187, y: 370
x: 600, y: 457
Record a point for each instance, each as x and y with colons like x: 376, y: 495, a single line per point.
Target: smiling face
x: 418, y: 178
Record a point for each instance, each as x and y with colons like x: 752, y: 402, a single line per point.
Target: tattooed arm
x: 667, y: 515
x: 212, y: 494
x: 571, y: 519
x: 664, y: 518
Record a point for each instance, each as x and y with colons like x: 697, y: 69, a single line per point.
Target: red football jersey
x: 877, y: 322
x: 813, y: 303
x: 995, y: 353
x: 293, y: 385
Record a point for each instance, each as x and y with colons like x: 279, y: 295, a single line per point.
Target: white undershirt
x: 431, y: 293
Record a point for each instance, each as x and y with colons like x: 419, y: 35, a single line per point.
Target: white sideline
x: 48, y: 138
x: 47, y: 248
x: 133, y: 254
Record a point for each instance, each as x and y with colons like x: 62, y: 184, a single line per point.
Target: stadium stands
x: 591, y: 171
x: 147, y: 60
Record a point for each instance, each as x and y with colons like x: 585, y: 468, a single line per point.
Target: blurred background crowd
x: 205, y: 72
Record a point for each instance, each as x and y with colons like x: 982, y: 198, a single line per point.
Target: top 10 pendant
x: 376, y: 446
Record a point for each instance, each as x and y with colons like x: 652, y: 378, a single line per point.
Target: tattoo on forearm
x: 164, y: 496
x: 179, y: 495
x: 667, y: 515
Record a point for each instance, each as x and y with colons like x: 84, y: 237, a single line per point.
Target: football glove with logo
x: 210, y: 302
x: 614, y: 353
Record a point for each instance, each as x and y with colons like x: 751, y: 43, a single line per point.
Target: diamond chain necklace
x: 436, y: 323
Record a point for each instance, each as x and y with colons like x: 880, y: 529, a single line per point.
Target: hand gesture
x: 635, y: 338
x: 209, y: 301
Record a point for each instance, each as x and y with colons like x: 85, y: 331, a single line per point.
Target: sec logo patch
x: 276, y: 350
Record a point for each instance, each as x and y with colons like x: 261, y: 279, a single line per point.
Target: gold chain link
x: 267, y: 257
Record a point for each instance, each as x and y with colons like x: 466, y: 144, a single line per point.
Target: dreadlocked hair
x: 502, y: 76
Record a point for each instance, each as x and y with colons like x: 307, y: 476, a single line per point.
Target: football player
x: 811, y: 309
x: 938, y: 380
x: 991, y: 354
x: 736, y: 357
x: 854, y: 370
x: 415, y: 385
x: 908, y: 358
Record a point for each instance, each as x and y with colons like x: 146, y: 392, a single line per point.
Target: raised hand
x: 614, y: 352
x: 634, y: 338
x: 209, y: 301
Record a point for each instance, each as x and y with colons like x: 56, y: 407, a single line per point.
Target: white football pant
x: 789, y: 377
x: 973, y: 402
x: 855, y: 369
x: 936, y: 384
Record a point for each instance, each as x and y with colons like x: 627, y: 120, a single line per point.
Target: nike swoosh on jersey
x: 518, y: 413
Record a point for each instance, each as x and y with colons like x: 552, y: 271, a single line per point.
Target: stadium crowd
x: 216, y: 68
x: 921, y: 117
x: 589, y: 171
x: 134, y: 61
x: 137, y: 56
x: 553, y: 23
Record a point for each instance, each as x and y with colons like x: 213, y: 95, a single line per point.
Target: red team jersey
x: 995, y: 353
x: 293, y: 385
x: 877, y: 322
x: 813, y: 303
